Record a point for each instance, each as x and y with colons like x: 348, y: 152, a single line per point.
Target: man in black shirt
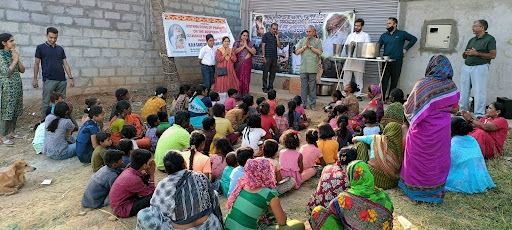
x: 269, y: 44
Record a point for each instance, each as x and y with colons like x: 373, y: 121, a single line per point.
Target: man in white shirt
x: 356, y: 66
x: 207, y: 60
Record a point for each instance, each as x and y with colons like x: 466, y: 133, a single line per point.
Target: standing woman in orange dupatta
x: 225, y: 57
x: 427, y: 153
x: 244, y: 50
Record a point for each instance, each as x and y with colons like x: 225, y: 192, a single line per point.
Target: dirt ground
x: 58, y: 205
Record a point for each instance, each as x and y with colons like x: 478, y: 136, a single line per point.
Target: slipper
x: 8, y: 142
x: 18, y: 136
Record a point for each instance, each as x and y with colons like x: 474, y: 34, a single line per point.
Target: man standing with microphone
x: 355, y: 67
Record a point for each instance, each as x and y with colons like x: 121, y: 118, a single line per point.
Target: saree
x: 491, y: 142
x: 243, y: 67
x: 191, y: 199
x: 375, y: 104
x: 199, y: 112
x: 230, y: 81
x: 394, y: 113
x: 362, y: 206
x: 427, y: 159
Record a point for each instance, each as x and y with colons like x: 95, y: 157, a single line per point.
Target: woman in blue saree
x: 200, y: 107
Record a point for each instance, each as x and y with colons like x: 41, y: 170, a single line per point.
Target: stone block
x: 71, y: 31
x: 92, y: 33
x: 122, y: 6
x: 12, y: 27
x: 74, y: 52
x: 130, y: 17
x: 105, y: 5
x: 11, y: 4
x: 63, y: 40
x: 40, y: 18
x: 132, y: 80
x: 138, y: 71
x: 2, y: 13
x: 124, y: 25
x: 95, y: 13
x: 82, y: 62
x: 100, y: 81
x: 19, y: 16
x: 102, y: 62
x: 87, y: 2
x: 29, y: 28
x: 186, y: 6
x: 116, y: 43
x: 62, y: 20
x: 132, y: 44
x: 118, y: 81
x: 109, y: 52
x: 109, y: 33
x: 83, y: 21
x: 82, y: 41
x: 146, y: 79
x: 123, y: 71
x: 90, y: 72
x: 22, y: 39
x: 68, y: 1
x: 99, y: 42
x: 154, y: 70
x: 31, y: 6
x: 101, y: 23
x: 55, y: 9
x: 126, y: 53
x: 112, y: 15
x: 198, y: 9
x: 91, y: 52
x: 75, y: 11
x: 105, y: 72
x: 138, y: 9
x: 26, y: 49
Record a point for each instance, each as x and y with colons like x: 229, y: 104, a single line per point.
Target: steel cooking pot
x: 367, y: 49
x: 325, y: 88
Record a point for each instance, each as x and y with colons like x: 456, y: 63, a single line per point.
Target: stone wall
x: 108, y: 43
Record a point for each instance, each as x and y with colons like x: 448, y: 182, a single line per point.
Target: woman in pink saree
x: 427, y: 153
x: 244, y: 50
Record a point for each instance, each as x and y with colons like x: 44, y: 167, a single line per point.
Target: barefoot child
x: 104, y: 141
x: 289, y: 159
x: 270, y: 148
x: 152, y: 133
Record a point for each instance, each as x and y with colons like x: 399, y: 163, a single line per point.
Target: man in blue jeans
x: 207, y: 60
x: 475, y: 71
x: 53, y: 62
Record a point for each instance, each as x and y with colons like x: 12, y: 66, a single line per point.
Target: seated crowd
x: 252, y: 154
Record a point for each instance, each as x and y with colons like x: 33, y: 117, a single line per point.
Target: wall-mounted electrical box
x: 438, y: 36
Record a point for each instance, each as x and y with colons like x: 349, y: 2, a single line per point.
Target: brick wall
x: 108, y: 43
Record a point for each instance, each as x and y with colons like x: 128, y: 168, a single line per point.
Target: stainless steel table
x: 339, y: 74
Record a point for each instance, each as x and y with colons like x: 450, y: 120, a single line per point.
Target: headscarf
x: 362, y: 184
x: 388, y: 150
x: 258, y: 173
x: 394, y: 113
x: 376, y: 92
x: 436, y: 87
x: 241, y: 56
x: 375, y: 104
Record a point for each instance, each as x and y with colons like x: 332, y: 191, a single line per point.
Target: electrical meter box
x: 438, y: 36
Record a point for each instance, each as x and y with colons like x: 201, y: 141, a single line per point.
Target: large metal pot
x: 325, y: 88
x: 337, y: 49
x: 349, y: 50
x: 367, y: 49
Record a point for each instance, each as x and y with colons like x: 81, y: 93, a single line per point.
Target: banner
x: 185, y: 34
x: 332, y: 28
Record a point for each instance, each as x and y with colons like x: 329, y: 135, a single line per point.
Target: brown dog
x: 14, y: 178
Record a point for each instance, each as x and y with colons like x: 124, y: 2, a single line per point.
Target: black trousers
x: 140, y: 203
x: 269, y: 66
x: 393, y: 70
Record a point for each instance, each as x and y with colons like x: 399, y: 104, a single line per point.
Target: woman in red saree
x: 225, y: 58
x: 244, y: 50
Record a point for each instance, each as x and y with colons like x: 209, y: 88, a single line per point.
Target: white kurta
x: 356, y: 65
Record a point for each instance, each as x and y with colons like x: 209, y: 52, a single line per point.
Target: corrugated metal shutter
x: 375, y: 15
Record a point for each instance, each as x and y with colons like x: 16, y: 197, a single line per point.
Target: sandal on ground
x: 7, y: 142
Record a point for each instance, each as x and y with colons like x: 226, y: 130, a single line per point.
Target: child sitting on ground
x: 292, y: 115
x: 371, y: 126
x: 218, y: 160
x: 328, y: 146
x: 310, y: 153
x: 183, y: 97
x: 210, y: 133
x: 343, y: 134
x: 129, y: 132
x: 304, y: 121
x: 249, y: 101
x: 333, y: 115
x: 195, y: 160
x: 97, y: 189
x: 237, y: 115
x: 272, y: 101
x: 55, y: 98
x: 289, y: 159
x: 337, y: 97
x: 134, y: 188
x: 230, y: 102
x: 281, y: 120
x: 268, y: 123
x: 222, y: 125
x: 253, y: 133
x: 86, y: 140
x: 242, y: 155
x: 152, y: 133
x: 38, y: 142
x: 225, y: 180
x: 259, y: 100
x: 125, y: 145
x: 214, y: 97
x: 270, y: 148
x: 164, y: 121
x: 90, y: 103
x: 104, y: 141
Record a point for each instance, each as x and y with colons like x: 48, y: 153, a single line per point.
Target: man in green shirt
x: 475, y: 71
x: 175, y: 137
x: 309, y: 49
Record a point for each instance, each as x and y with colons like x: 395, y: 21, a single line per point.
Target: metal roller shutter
x: 375, y: 15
